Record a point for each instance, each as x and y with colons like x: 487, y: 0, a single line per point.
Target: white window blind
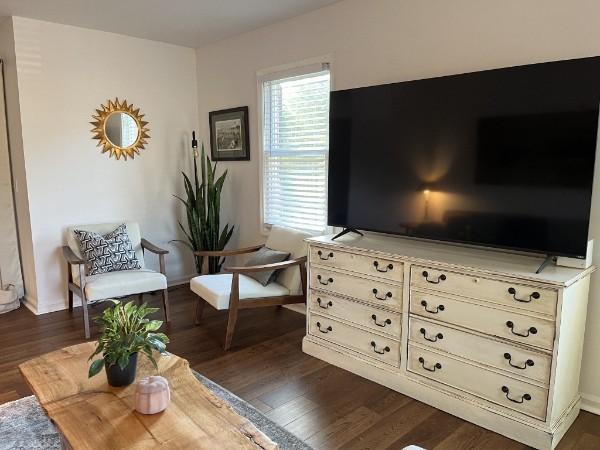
x: 295, y: 150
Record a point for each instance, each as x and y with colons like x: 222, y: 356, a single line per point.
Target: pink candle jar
x: 152, y: 395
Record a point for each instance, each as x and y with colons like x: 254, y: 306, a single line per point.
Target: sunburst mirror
x: 120, y: 129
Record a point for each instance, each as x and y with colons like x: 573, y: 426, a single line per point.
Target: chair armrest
x: 262, y: 267
x: 147, y: 245
x: 70, y: 256
x: 239, y: 251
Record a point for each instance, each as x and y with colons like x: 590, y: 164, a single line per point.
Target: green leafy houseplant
x: 202, y: 205
x: 126, y: 331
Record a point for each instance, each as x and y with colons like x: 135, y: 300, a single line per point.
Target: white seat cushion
x: 121, y: 283
x: 215, y: 289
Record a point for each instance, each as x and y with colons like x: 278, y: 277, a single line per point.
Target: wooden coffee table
x: 92, y: 415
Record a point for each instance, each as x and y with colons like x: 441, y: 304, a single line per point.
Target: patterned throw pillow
x: 108, y: 253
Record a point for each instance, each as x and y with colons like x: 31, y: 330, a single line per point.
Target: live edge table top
x: 92, y: 415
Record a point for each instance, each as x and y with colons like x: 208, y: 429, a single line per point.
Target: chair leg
x: 84, y: 305
x: 199, y: 310
x: 86, y: 318
x: 69, y: 291
x: 165, y: 296
x: 233, y: 313
x: 234, y: 301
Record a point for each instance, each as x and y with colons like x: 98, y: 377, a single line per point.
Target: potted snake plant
x: 126, y: 332
x: 203, y: 207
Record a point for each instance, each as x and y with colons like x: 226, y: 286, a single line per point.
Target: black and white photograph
x: 229, y: 139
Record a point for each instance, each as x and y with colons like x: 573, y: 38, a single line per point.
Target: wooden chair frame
x: 73, y: 260
x: 234, y: 298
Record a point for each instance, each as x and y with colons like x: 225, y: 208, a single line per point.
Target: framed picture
x: 229, y: 135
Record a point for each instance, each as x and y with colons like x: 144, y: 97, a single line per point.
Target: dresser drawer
x: 363, y: 264
x: 529, y: 298
x: 486, y: 319
x: 374, y: 291
x: 373, y: 345
x: 503, y: 355
x: 385, y: 322
x: 494, y: 387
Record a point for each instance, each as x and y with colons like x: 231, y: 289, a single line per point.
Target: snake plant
x: 202, y: 205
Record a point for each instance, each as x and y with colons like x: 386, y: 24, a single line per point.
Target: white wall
x: 381, y: 41
x: 64, y: 74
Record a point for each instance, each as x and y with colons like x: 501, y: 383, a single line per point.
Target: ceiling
x: 192, y: 23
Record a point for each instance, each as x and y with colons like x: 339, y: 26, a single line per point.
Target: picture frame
x: 229, y: 134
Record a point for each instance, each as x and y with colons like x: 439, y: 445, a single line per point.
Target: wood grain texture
x: 196, y: 418
x: 266, y: 367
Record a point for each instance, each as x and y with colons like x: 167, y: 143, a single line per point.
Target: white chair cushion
x: 290, y: 241
x: 216, y: 289
x: 124, y: 282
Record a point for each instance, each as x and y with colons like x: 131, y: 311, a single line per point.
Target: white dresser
x: 473, y: 332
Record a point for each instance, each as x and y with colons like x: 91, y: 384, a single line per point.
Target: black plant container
x: 121, y: 377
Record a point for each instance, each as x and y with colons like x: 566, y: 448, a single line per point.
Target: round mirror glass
x: 121, y: 129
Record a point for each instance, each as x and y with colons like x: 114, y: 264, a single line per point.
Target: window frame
x: 303, y: 67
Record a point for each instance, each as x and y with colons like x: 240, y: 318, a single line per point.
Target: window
x: 295, y: 149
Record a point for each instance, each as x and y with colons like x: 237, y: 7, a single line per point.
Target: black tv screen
x: 499, y: 158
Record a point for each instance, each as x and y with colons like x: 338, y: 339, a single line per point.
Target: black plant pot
x: 121, y: 377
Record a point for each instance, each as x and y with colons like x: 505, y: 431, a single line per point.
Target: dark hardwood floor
x: 323, y: 405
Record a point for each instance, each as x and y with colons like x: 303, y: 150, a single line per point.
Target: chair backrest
x: 133, y: 230
x: 291, y: 241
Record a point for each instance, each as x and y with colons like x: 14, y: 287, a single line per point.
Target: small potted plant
x: 126, y: 332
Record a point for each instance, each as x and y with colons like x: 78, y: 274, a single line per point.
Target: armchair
x: 235, y: 290
x: 94, y: 288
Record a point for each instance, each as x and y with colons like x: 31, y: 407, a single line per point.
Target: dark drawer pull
x: 327, y: 330
x: 387, y: 268
x: 431, y: 339
x: 385, y: 297
x: 382, y: 351
x: 329, y: 280
x: 432, y: 311
x: 523, y: 397
x: 381, y: 324
x: 440, y: 278
x: 531, y: 330
x: 437, y: 366
x: 533, y: 296
x: 528, y: 363
x: 321, y: 303
x: 328, y: 256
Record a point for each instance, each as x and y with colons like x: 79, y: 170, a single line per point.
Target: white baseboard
x: 30, y: 304
x: 590, y: 403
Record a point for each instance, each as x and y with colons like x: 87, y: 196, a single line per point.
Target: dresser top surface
x: 477, y: 259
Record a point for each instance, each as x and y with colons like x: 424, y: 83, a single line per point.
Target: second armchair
x: 236, y: 290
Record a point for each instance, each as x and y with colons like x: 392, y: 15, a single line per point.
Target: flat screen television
x: 500, y: 158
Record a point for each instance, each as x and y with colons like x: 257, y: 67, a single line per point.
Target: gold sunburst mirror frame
x: 120, y: 129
